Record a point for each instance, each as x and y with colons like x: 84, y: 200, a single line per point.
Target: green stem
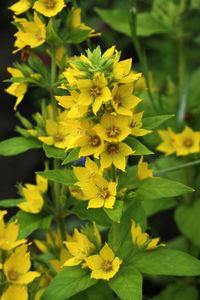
x: 53, y: 79
x: 115, y: 236
x: 181, y: 58
x: 141, y: 53
x: 186, y: 165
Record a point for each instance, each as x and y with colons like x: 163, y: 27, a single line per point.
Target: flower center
x: 95, y: 91
x: 107, y: 266
x: 50, y: 4
x: 13, y: 275
x: 134, y: 124
x: 113, y: 132
x: 58, y: 137
x: 38, y: 35
x: 112, y: 149
x: 103, y: 193
x: 79, y: 131
x: 95, y: 141
x: 118, y: 100
x: 188, y: 143
x: 82, y: 252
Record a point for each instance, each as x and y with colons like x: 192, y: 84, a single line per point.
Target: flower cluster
x: 184, y: 143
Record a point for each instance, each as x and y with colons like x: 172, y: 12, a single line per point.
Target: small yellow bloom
x: 100, y: 194
x: 20, y: 7
x: 135, y: 124
x: 142, y: 240
x: 123, y: 100
x: 115, y: 154
x: 16, y: 267
x: 105, y: 265
x: 76, y: 22
x: 9, y: 234
x: 187, y: 142
x: 94, y: 91
x: 34, y: 200
x: 80, y: 247
x: 17, y: 89
x: 167, y: 146
x: 15, y: 292
x: 87, y: 174
x: 56, y: 134
x: 113, y: 128
x: 49, y: 8
x: 142, y: 170
x: 122, y: 72
x: 32, y: 33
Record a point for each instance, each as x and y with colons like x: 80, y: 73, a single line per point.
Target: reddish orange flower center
x: 113, y: 132
x: 107, y: 266
x: 95, y: 91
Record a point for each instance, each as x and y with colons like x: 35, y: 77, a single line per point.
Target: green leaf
x: 137, y: 146
x: 65, y: 177
x: 178, y: 291
x: 155, y: 188
x: 128, y: 178
x: 119, y: 20
x: 67, y: 283
x: 93, y: 214
x: 153, y: 122
x: 99, y: 291
x: 17, y: 145
x: 194, y: 89
x: 151, y: 207
x: 52, y: 36
x: 77, y: 36
x: 116, y: 212
x: 31, y: 222
x: 127, y: 283
x: 11, y: 202
x: 188, y: 221
x: 72, y: 156
x: 136, y: 212
x: 165, y: 261
x: 51, y: 151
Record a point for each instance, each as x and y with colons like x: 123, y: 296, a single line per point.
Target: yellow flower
x: 80, y: 247
x: 141, y: 83
x: 90, y: 143
x: 56, y: 134
x: 123, y: 100
x: 113, y: 128
x: 17, y: 89
x: 57, y: 264
x: 142, y: 240
x: 32, y: 33
x: 15, y: 292
x: 187, y: 142
x: 115, y: 154
x: 94, y: 91
x: 16, y: 267
x: 20, y: 7
x: 135, y: 124
x: 122, y: 72
x: 49, y: 8
x: 142, y: 170
x: 100, y: 194
x: 105, y: 265
x: 9, y: 234
x: 76, y: 22
x: 167, y: 146
x: 88, y: 173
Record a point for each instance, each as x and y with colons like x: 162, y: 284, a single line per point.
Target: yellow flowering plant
x: 82, y: 230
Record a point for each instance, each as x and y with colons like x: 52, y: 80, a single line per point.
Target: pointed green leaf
x: 164, y: 261
x: 77, y: 36
x: 115, y: 213
x: 17, y: 145
x: 137, y: 146
x: 72, y: 156
x: 188, y: 221
x: 54, y: 152
x: 65, y: 177
x: 153, y: 122
x: 127, y: 283
x: 11, y: 202
x: 155, y: 188
x: 67, y: 283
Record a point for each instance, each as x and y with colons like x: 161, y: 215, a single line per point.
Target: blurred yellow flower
x: 49, y: 8
x: 20, y: 7
x: 103, y: 265
x: 15, y: 292
x: 167, y: 146
x: 187, y: 142
x: 17, y: 89
x: 142, y: 170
